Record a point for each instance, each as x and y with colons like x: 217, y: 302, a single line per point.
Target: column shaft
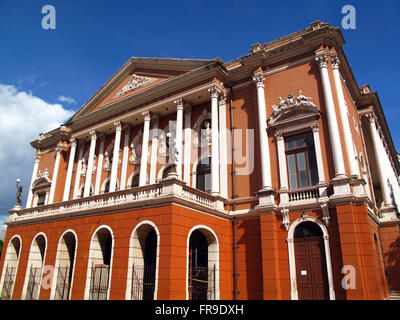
x: 78, y: 170
x: 214, y: 142
x: 145, y: 149
x: 114, y: 166
x: 154, y: 155
x: 127, y: 132
x: 99, y: 165
x: 54, y: 177
x: 179, y: 134
x: 34, y: 175
x: 88, y: 178
x: 223, y: 147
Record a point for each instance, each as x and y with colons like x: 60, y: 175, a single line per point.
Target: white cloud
x: 66, y: 99
x: 22, y: 117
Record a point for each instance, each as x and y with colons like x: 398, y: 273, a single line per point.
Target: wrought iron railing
x: 32, y: 290
x: 202, y: 284
x: 8, y: 283
x: 143, y: 282
x: 99, y: 282
x: 63, y: 284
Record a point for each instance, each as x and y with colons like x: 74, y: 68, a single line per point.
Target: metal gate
x: 99, y: 283
x: 202, y: 283
x: 8, y: 283
x: 143, y: 282
x: 63, y: 284
x: 32, y: 290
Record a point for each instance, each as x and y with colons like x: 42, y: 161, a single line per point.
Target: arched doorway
x: 202, y: 265
x: 10, y: 267
x: 311, y: 270
x: 100, y: 259
x: 142, y: 277
x: 35, y: 267
x: 65, y: 265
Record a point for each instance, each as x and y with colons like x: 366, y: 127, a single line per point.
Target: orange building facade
x: 272, y: 176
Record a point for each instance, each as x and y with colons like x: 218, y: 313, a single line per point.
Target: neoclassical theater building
x: 272, y: 176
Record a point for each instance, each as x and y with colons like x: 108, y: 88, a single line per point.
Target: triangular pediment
x: 135, y: 77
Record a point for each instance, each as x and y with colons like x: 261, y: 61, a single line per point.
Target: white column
x: 179, y: 135
x: 88, y: 178
x: 376, y: 141
x: 71, y: 161
x: 78, y: 170
x: 323, y: 192
x: 154, y: 155
x: 188, y: 144
x: 99, y: 165
x: 34, y: 175
x: 336, y: 146
x: 145, y: 148
x: 259, y: 79
x: 114, y: 166
x: 348, y: 139
x: 283, y: 176
x: 223, y: 153
x: 54, y: 177
x: 127, y: 134
x: 214, y: 142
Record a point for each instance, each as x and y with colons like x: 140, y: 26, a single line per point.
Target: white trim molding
x: 292, y: 258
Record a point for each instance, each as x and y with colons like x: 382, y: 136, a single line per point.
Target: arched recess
x: 10, y: 267
x: 202, y: 261
x: 164, y: 171
x: 202, y: 162
x: 100, y: 264
x: 34, y: 269
x: 143, y: 262
x: 82, y: 188
x: 133, y: 180
x: 64, y: 266
x: 105, y: 187
x: 292, y: 256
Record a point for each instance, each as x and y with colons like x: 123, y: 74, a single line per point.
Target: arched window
x: 135, y: 181
x: 167, y: 171
x: 10, y: 267
x: 100, y: 257
x: 202, y: 265
x: 65, y: 265
x: 142, y: 276
x: 203, y: 176
x: 35, y: 268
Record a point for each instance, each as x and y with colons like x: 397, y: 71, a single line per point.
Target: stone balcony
x: 167, y: 191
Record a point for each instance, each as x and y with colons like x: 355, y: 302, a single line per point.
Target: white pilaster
x: 259, y: 79
x: 78, y: 170
x: 154, y: 145
x: 223, y: 158
x: 88, y: 178
x: 114, y: 166
x: 127, y: 134
x: 179, y: 134
x: 188, y: 144
x: 283, y: 176
x: 71, y: 161
x: 99, y: 165
x: 145, y: 148
x: 214, y: 141
x: 34, y: 175
x: 320, y: 164
x: 55, y: 175
x: 378, y: 150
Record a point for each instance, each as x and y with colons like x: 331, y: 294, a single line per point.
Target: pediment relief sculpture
x: 134, y: 83
x: 292, y: 106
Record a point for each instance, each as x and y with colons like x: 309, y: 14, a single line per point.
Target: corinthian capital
x: 259, y: 79
x: 146, y: 115
x: 214, y: 91
x: 335, y: 62
x: 322, y: 60
x: 93, y: 135
x: 179, y: 104
x: 222, y: 99
x: 118, y: 125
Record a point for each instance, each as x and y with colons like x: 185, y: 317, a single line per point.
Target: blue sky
x: 93, y: 39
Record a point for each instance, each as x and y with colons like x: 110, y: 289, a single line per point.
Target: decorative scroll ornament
x: 291, y: 104
x: 134, y: 83
x: 285, y: 218
x: 43, y: 174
